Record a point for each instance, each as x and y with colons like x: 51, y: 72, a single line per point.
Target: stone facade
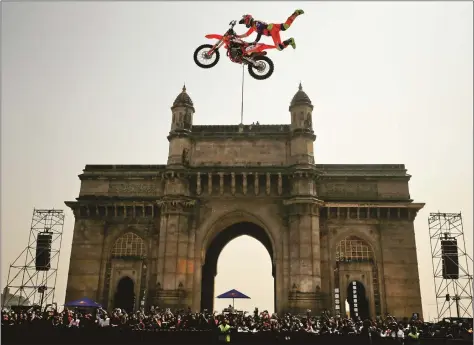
x: 324, y: 226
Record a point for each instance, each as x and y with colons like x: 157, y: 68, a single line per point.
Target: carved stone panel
x: 350, y: 190
x: 176, y: 186
x: 134, y: 188
x: 268, y: 152
x: 393, y: 190
x: 176, y: 205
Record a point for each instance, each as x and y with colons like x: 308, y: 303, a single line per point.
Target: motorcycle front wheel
x: 203, y: 59
x: 263, y: 68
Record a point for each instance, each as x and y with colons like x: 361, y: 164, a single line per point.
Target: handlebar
x: 233, y: 23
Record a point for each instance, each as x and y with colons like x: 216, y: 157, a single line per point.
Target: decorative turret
x: 183, y: 99
x: 302, y: 132
x: 181, y: 125
x: 183, y: 111
x: 301, y: 110
x: 300, y: 98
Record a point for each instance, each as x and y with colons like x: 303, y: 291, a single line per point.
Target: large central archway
x: 209, y: 269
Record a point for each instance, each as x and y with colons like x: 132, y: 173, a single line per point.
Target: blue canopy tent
x: 233, y: 294
x: 83, y: 303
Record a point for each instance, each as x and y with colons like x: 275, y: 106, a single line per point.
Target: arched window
x: 353, y: 248
x: 129, y: 245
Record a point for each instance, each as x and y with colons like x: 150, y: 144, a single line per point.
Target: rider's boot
x: 284, y: 26
x: 290, y: 42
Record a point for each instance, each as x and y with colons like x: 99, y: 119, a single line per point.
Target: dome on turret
x: 300, y: 98
x: 183, y: 100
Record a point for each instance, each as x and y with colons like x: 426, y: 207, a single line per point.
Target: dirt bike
x: 260, y: 66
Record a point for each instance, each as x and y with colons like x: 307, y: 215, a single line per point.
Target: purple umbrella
x: 233, y: 294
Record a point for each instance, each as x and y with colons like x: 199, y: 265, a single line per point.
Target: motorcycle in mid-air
x: 254, y: 55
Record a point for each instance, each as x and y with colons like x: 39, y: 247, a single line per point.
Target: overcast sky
x: 92, y: 83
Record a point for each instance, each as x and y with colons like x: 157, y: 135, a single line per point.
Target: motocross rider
x: 272, y: 30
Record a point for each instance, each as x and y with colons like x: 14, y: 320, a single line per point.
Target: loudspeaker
x: 449, y: 257
x: 43, y: 251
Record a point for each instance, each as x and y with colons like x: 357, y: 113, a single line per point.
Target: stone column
x: 294, y: 247
x: 244, y: 183
x: 198, y: 184
x: 280, y: 184
x: 190, y: 265
x: 267, y: 184
x: 221, y: 183
x: 154, y: 246
x: 197, y: 280
x: 173, y: 253
x: 304, y: 256
x: 256, y: 184
x: 209, y: 183
x: 285, y: 286
x: 232, y: 183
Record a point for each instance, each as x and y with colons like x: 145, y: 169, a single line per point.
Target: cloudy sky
x: 92, y: 83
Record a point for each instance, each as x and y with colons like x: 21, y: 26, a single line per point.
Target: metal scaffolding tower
x: 31, y: 283
x: 451, y: 265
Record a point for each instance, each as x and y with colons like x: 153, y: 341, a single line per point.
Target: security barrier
x: 114, y: 336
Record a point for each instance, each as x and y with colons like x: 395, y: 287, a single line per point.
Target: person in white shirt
x: 74, y: 322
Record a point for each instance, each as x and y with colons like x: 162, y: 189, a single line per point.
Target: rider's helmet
x: 247, y: 19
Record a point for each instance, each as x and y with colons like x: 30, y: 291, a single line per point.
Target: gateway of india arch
x: 151, y: 234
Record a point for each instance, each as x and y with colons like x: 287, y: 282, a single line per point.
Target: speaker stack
x: 43, y: 251
x: 449, y: 257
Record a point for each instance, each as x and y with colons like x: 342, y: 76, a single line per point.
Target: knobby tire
x: 270, y: 70
x: 197, y: 52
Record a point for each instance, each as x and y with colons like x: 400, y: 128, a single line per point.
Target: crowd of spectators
x: 157, y: 319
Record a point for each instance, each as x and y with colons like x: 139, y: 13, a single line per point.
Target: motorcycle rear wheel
x: 264, y: 69
x: 201, y: 52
